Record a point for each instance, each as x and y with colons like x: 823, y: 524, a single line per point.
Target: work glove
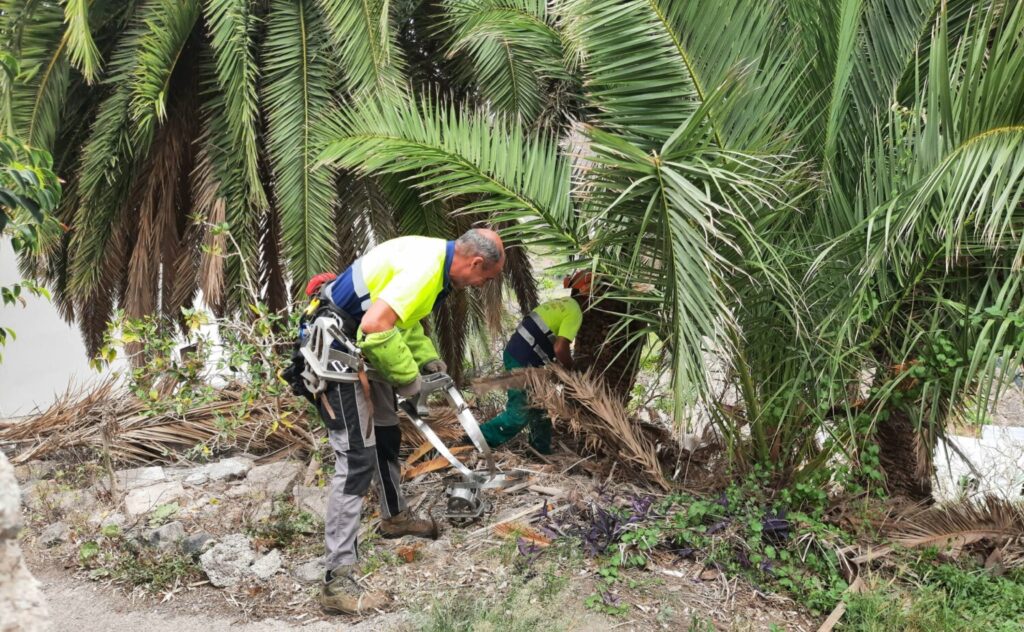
x: 388, y: 353
x: 436, y: 365
x: 420, y: 345
x: 410, y: 390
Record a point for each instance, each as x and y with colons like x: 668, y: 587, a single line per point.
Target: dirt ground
x: 472, y: 577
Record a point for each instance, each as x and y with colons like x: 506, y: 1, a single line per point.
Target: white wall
x: 47, y: 355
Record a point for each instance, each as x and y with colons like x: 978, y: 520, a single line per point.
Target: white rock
x: 309, y: 572
x: 228, y: 469
x: 274, y: 478
x: 196, y: 478
x: 134, y: 478
x: 21, y: 601
x: 228, y: 560
x: 265, y: 567
x: 313, y: 500
x: 145, y: 499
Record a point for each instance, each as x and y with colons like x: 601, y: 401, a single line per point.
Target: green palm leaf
x: 372, y: 61
x: 34, y: 33
x: 81, y: 47
x: 296, y: 94
x: 512, y: 48
x: 482, y: 164
x: 232, y: 29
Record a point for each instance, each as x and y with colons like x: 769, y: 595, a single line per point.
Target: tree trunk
x: 603, y: 345
x: 904, y: 458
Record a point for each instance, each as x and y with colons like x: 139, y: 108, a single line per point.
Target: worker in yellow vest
x: 382, y: 297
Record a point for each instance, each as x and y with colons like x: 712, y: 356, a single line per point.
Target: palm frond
x: 81, y: 47
x: 231, y: 27
x: 296, y: 95
x: 372, y: 61
x: 958, y: 524
x: 482, y: 164
x: 634, y: 74
x: 512, y: 48
x: 34, y: 33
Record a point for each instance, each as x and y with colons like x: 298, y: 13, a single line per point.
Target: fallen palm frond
x: 995, y: 521
x: 133, y: 431
x: 589, y: 409
x: 108, y: 419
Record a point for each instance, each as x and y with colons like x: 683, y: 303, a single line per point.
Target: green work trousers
x: 517, y: 415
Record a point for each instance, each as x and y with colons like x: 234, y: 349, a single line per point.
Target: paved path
x: 82, y: 606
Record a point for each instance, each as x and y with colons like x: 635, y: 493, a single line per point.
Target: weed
x: 525, y: 606
x: 286, y: 525
x: 945, y: 597
x: 373, y: 557
x: 155, y: 571
x: 162, y: 514
x: 111, y: 556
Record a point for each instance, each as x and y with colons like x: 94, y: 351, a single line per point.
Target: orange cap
x: 581, y: 280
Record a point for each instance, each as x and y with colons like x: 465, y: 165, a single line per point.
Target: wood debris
x: 523, y: 531
x: 435, y: 464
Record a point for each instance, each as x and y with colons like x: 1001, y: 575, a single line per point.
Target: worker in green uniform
x: 543, y: 336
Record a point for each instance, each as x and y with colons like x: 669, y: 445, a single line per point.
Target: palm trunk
x: 904, y: 458
x: 603, y: 344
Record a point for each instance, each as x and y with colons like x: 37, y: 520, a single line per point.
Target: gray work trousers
x: 365, y: 450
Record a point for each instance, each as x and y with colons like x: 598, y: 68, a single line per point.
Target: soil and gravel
x: 473, y: 571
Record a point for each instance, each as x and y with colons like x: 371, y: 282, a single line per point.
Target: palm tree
x: 820, y: 193
x: 827, y: 195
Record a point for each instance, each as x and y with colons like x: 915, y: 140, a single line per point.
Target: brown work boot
x: 407, y: 524
x: 341, y: 594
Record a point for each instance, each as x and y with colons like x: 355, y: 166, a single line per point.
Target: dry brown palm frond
x: 79, y: 418
x: 585, y: 404
x: 953, y: 526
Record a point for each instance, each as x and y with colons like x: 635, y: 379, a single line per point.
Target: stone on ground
x: 165, y: 537
x: 313, y: 500
x: 145, y: 499
x: 274, y: 478
x: 228, y: 469
x: 227, y: 562
x: 309, y: 572
x: 54, y: 534
x: 134, y: 478
x: 21, y: 600
x: 265, y: 567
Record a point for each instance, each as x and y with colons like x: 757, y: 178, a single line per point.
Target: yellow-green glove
x: 420, y: 345
x: 388, y: 353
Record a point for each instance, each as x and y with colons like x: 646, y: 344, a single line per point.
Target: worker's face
x: 477, y: 272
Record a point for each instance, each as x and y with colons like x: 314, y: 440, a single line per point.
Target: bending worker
x: 387, y: 292
x: 543, y: 336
